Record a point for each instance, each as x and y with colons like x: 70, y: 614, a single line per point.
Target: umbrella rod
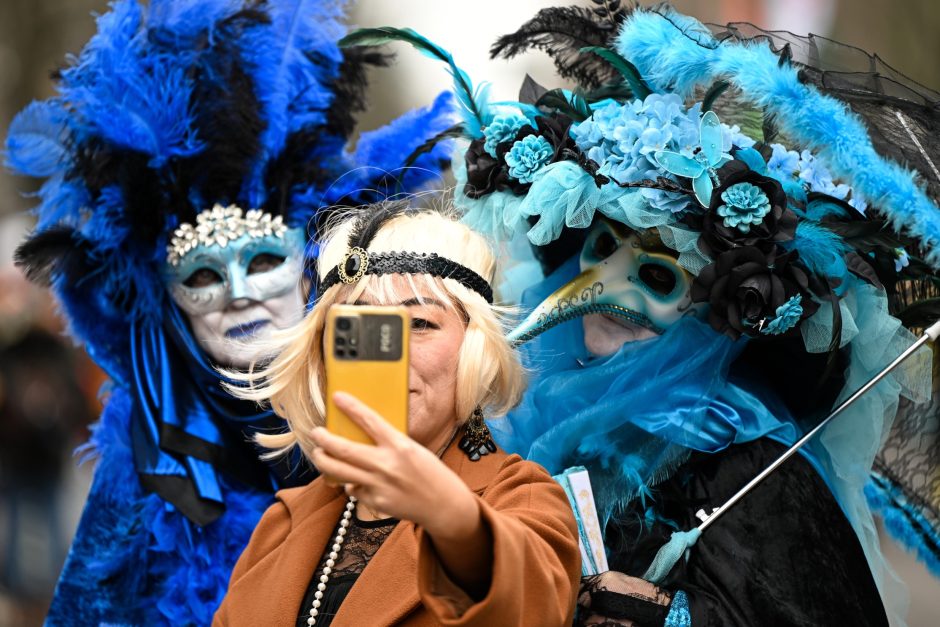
x: 929, y: 335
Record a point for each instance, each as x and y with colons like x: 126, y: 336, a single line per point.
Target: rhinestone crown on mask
x: 221, y: 225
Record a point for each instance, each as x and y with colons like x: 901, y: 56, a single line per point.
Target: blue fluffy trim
x: 676, y: 53
x: 145, y: 562
x: 904, y: 522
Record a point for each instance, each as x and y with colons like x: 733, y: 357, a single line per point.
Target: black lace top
x: 363, y: 539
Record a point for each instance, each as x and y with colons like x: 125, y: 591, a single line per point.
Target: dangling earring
x: 477, y: 441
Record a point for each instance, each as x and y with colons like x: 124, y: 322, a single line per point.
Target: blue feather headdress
x: 176, y: 105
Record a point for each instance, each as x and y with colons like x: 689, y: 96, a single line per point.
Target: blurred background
x: 49, y: 388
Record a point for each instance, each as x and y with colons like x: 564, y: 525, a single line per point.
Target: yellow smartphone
x: 366, y: 349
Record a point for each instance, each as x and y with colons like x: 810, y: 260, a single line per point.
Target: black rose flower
x: 753, y: 292
x: 485, y: 174
x: 747, y: 209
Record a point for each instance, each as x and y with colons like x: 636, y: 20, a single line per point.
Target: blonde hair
x: 489, y: 374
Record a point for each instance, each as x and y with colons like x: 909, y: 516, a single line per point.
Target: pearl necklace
x: 331, y: 560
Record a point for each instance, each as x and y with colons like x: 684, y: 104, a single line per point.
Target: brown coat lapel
x: 304, y: 533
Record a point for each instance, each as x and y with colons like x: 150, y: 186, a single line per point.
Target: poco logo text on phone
x: 385, y: 338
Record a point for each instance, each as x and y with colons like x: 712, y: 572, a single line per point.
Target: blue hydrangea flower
x: 783, y: 164
x: 901, y: 260
x: 859, y: 204
x: 745, y: 205
x: 527, y: 156
x: 622, y: 138
x: 788, y: 165
x: 503, y: 128
x: 734, y: 137
x: 817, y: 178
x: 788, y: 316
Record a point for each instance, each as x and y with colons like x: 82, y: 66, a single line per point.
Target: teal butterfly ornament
x: 702, y: 166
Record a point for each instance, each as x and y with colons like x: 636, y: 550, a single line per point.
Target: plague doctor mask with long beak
x: 630, y: 288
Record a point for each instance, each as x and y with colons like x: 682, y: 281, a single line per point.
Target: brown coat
x: 536, y: 562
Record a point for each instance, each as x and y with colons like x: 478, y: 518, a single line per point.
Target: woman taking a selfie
x: 434, y: 527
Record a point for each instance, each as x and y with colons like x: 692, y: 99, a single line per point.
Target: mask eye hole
x: 264, y: 262
x: 658, y: 278
x: 605, y: 245
x: 203, y: 277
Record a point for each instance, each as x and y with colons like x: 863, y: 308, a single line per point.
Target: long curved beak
x: 577, y: 298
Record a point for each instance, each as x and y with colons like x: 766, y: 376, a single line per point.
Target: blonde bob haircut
x: 489, y: 374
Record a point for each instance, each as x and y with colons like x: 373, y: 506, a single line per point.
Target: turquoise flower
x: 788, y: 316
x: 527, y: 156
x: 745, y: 205
x: 503, y: 128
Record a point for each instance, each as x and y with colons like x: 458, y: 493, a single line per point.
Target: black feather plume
x: 372, y: 218
x: 626, y: 69
x: 228, y: 116
x: 921, y: 314
x: 473, y: 102
x: 351, y: 85
x: 561, y: 32
x: 56, y: 250
x: 100, y: 165
x: 575, y: 106
x: 713, y: 93
x: 454, y: 132
x: 293, y: 167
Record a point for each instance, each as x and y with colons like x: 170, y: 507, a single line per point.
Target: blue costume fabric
x: 573, y: 414
x: 172, y: 107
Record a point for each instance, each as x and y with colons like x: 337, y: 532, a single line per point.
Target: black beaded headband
x: 358, y: 263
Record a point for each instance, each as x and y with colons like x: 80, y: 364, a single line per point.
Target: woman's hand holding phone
x: 397, y: 476
x: 402, y: 479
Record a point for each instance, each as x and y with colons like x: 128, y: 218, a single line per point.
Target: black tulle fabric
x: 363, y: 540
x: 909, y: 460
x: 784, y: 555
x: 608, y: 600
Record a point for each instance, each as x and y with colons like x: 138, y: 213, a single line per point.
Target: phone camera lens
x: 353, y: 352
x: 343, y: 324
x: 340, y: 352
x: 340, y: 341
